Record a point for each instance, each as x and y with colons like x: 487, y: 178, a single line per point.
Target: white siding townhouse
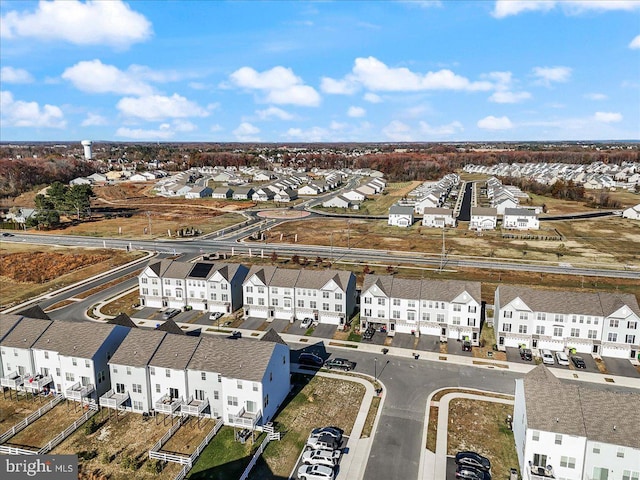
x: 340, y: 201
x: 449, y: 309
x: 574, y: 432
x: 7, y: 322
x: 400, y: 216
x: 601, y: 323
x: 520, y: 219
x: 483, y: 218
x: 438, y: 217
x: 328, y: 296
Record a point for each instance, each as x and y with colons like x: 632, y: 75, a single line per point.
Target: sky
x: 323, y: 71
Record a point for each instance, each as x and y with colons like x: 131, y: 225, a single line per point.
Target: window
x: 612, y: 337
x: 325, y: 307
x: 539, y: 330
x: 535, y: 435
x: 312, y: 304
x: 471, y: 322
x: 255, y: 387
x: 223, y: 286
x: 557, y: 331
x: 411, y: 304
x: 274, y: 302
x: 558, y: 439
x: 46, y: 355
x: 568, y: 462
x: 102, y: 376
x: 396, y: 302
x: 57, y: 371
x: 325, y: 294
x: 395, y: 314
x: 381, y: 301
x: 581, y: 318
x: 261, y: 301
x: 74, y: 362
x: 440, y: 318
x: 137, y: 405
x: 167, y: 292
x: 575, y: 332
x: 632, y: 325
x: 630, y: 339
x: 338, y: 295
x: 260, y: 289
x: 69, y: 377
x: 128, y: 370
x: 456, y: 320
x: 613, y: 323
x: 573, y: 318
x: 592, y: 334
x: 300, y: 303
x: 629, y: 475
x: 152, y: 371
x: 426, y: 316
x: 472, y: 309
x: 167, y: 373
x: 167, y: 281
x: 239, y: 384
x: 539, y: 460
x: 596, y: 448
x: 457, y: 308
x: 203, y: 375
x: 524, y: 316
x: 178, y: 293
x: 216, y: 395
x: 145, y: 291
x: 620, y: 453
x: 380, y: 313
x: 522, y: 329
x: 154, y: 281
x: 541, y: 317
x: 250, y: 301
x: 225, y: 297
x: 249, y: 289
x: 274, y: 290
x: 219, y: 378
x: 508, y: 314
x: 232, y: 401
x: 558, y: 318
x: 367, y: 300
x: 144, y: 280
x: 137, y: 388
x: 157, y: 388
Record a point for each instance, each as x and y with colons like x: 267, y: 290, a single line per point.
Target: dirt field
x: 120, y: 447
x: 30, y: 270
x: 40, y: 432
x: 189, y: 436
x: 13, y: 411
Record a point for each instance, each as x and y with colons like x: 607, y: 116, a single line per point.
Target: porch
x: 36, y: 383
x: 12, y: 380
x: 245, y: 419
x: 194, y: 407
x: 168, y: 405
x: 114, y: 400
x: 78, y: 392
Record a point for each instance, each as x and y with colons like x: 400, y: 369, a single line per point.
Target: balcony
x: 35, y: 383
x: 78, y: 391
x: 168, y: 405
x: 245, y: 419
x: 13, y: 380
x: 540, y: 473
x: 114, y: 400
x: 194, y: 407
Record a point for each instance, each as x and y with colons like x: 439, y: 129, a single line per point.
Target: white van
x: 547, y: 357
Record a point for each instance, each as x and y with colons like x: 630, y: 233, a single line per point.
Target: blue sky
x: 298, y: 71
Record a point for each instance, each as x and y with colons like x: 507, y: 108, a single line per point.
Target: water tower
x: 87, y: 149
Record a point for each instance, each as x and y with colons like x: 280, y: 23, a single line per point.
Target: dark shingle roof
x: 174, y: 352
x: 425, y: 289
x: 484, y: 211
x: 170, y: 326
x: 74, y: 339
x: 272, y: 336
x: 26, y: 333
x: 137, y: 348
x: 7, y: 322
x: 122, y: 319
x: 34, y: 312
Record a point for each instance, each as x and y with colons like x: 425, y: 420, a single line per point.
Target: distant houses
x: 400, y: 216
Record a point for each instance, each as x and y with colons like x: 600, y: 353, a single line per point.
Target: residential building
x: 340, y: 201
x: 243, y: 193
x: 450, y: 309
x: 601, y: 323
x: 7, y: 322
x: 632, y: 213
x: 583, y: 433
x: 483, y: 218
x: 222, y: 193
x: 198, y: 192
x: 400, y: 216
x: 354, y: 196
x: 438, y: 217
x: 520, y: 219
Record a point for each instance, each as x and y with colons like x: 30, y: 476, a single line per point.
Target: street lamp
x: 375, y: 369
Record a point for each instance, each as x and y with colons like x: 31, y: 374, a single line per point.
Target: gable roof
x: 137, y: 348
x: 170, y: 326
x: 122, y: 319
x: 74, y: 339
x: 263, y: 272
x: 26, y: 332
x: 175, y: 351
x: 7, y: 322
x: 34, y: 312
x: 422, y: 289
x: 484, y: 211
x: 272, y: 336
x: 401, y: 210
x: 521, y: 212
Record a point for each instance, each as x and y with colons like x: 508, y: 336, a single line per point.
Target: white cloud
x: 17, y: 113
x: 162, y: 133
x: 595, y: 96
x: 281, y: 85
x: 15, y: 75
x: 495, y: 123
x: 509, y: 97
x: 356, y: 112
x: 93, y: 76
x: 448, y: 129
x: 375, y: 75
x: 635, y: 43
x: 313, y: 134
x: 247, y: 132
x: 158, y: 107
x: 94, y: 120
x: 273, y: 112
x: 505, y: 8
x: 111, y: 23
x: 607, y: 117
x: 216, y: 128
x: 346, y: 86
x: 547, y: 75
x: 398, y: 132
x: 372, y: 98
x: 184, y: 126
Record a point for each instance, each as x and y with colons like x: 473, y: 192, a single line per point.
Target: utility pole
x: 443, y: 251
x: 348, y: 233
x: 149, y: 218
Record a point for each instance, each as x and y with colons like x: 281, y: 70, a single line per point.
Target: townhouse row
x: 606, y: 324
x: 601, y: 323
x: 241, y: 381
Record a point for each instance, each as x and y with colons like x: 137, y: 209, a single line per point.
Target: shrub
x: 91, y: 426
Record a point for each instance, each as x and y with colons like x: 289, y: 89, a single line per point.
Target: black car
x: 525, y: 354
x: 7, y: 234
x: 310, y: 359
x: 340, y: 363
x: 466, y: 346
x: 465, y: 472
x: 473, y: 459
x: 368, y: 333
x: 578, y: 362
x: 334, y: 432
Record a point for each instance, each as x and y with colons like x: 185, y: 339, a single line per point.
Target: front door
x: 443, y: 331
x: 595, y: 348
x: 534, y: 343
x: 633, y: 354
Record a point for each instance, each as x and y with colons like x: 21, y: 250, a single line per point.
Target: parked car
x: 368, y: 333
x: 325, y: 442
x: 473, y: 459
x: 306, y: 322
x: 578, y: 362
x: 315, y: 472
x: 7, y: 234
x: 334, y: 432
x: 465, y: 472
x: 340, y: 363
x: 562, y: 359
x: 236, y: 334
x: 321, y: 456
x: 215, y: 315
x: 170, y: 313
x: 525, y: 354
x: 547, y: 357
x: 466, y: 346
x: 310, y: 359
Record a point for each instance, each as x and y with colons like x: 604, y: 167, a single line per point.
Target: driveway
x: 324, y: 330
x: 620, y: 366
x: 377, y: 339
x: 429, y: 343
x: 279, y: 325
x: 147, y: 313
x: 252, y: 323
x: 513, y: 355
x: 455, y: 348
x: 404, y: 340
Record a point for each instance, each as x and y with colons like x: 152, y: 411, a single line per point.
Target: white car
x: 547, y: 357
x: 306, y: 322
x: 562, y: 359
x: 322, y: 456
x: 315, y: 472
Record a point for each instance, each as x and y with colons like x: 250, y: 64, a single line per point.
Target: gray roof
x: 598, y: 415
x: 438, y: 211
x: 401, y: 210
x: 124, y: 320
x: 174, y: 352
x: 521, y: 212
x: 7, y: 322
x: 317, y: 279
x: 178, y: 269
x: 484, y: 211
x: 74, y: 339
x: 422, y: 289
x: 170, y: 326
x: 284, y: 277
x: 241, y: 358
x: 34, y: 312
x: 138, y: 347
x: 25, y: 333
x: 568, y: 302
x: 272, y: 336
x: 264, y: 273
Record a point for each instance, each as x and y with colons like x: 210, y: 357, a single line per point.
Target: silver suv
x: 325, y: 442
x: 321, y: 456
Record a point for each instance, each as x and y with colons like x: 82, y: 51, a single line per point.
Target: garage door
x: 330, y: 319
x: 258, y: 312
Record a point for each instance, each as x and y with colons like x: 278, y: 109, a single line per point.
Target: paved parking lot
x: 620, y: 366
x: 324, y: 330
x: 404, y: 340
x: 343, y: 444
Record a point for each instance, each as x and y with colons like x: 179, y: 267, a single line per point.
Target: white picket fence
x: 30, y: 419
x: 165, y: 438
x: 194, y: 456
x: 92, y: 410
x: 256, y: 456
x: 7, y: 450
